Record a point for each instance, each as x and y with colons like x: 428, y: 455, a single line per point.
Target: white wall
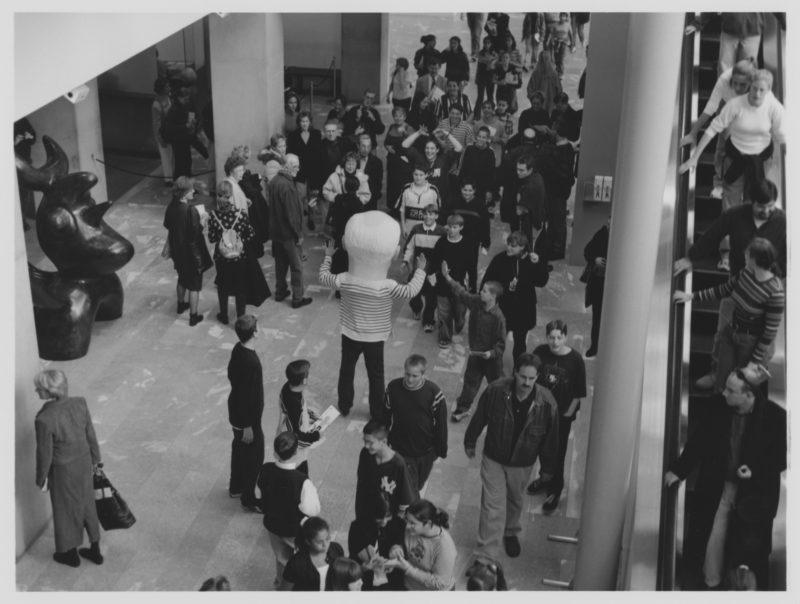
x: 312, y: 40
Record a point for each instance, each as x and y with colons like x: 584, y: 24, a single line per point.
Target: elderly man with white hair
x: 286, y: 232
x: 365, y: 314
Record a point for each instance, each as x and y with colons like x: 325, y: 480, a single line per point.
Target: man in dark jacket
x: 523, y: 201
x: 740, y: 450
x: 363, y: 118
x: 521, y: 421
x: 286, y: 232
x: 245, y: 406
x: 372, y: 166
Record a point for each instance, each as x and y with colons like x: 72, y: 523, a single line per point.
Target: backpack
x: 230, y: 245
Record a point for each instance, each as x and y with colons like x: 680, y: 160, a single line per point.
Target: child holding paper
x: 295, y: 416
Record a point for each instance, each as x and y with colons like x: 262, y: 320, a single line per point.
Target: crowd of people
x: 452, y: 167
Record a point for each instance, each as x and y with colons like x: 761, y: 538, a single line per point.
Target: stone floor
x: 157, y: 389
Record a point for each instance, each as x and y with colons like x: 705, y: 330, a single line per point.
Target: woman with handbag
x: 67, y: 454
x: 520, y: 273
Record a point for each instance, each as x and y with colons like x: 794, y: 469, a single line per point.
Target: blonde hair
x: 762, y: 75
x: 52, y: 381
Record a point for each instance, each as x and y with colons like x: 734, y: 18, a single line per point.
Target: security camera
x: 76, y: 95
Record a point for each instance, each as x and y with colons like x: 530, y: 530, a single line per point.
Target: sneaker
x: 716, y: 192
x: 459, y: 414
x: 302, y: 302
x: 92, y: 554
x: 706, y: 382
x: 70, y: 558
x: 512, y: 546
x: 183, y: 307
x: 428, y: 328
x: 252, y: 507
x: 551, y: 502
x: 222, y: 318
x: 536, y: 486
x: 444, y: 344
x: 195, y: 319
x: 280, y: 297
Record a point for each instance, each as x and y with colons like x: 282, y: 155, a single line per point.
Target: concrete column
x: 246, y: 54
x: 76, y: 128
x: 362, y: 49
x: 648, y: 106
x: 32, y: 509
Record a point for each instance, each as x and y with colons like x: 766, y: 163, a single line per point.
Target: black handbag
x: 112, y: 511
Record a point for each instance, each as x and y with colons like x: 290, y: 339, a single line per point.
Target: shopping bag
x: 112, y: 510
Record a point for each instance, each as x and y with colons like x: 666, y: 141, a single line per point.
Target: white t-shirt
x: 751, y: 128
x: 323, y: 573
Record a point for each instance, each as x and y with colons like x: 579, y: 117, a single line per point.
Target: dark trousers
x: 182, y: 156
x: 427, y: 295
x: 246, y: 461
x: 477, y: 369
x: 556, y: 485
x: 597, y: 310
x: 223, y: 304
x: 404, y: 103
x: 520, y: 337
x: 557, y: 226
x: 419, y: 468
x: 373, y: 360
x: 287, y: 258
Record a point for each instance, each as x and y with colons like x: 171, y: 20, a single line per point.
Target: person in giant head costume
x: 365, y: 313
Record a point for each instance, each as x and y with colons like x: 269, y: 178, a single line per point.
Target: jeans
x: 500, y: 485
x: 419, y: 468
x: 477, y: 369
x: 451, y: 316
x: 427, y: 295
x: 734, y: 48
x: 246, y: 461
x: 373, y: 360
x: 287, y: 258
x: 714, y: 563
x: 734, y: 349
x: 283, y: 548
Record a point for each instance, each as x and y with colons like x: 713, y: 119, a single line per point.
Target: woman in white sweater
x: 752, y: 120
x: 427, y: 556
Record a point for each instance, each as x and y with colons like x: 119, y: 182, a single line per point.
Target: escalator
x: 694, y: 327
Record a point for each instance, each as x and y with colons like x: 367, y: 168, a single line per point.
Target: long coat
x: 66, y: 450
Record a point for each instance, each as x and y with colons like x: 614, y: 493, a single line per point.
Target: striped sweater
x: 759, y: 306
x: 365, y: 312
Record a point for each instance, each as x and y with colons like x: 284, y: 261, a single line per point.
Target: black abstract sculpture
x: 86, y: 251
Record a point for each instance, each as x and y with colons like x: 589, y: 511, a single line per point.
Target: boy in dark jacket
x: 487, y: 340
x: 287, y: 497
x: 476, y: 226
x: 455, y: 251
x: 245, y: 407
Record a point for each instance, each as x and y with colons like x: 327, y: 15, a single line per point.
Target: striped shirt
x: 422, y: 240
x: 463, y: 133
x: 759, y: 306
x: 365, y: 312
